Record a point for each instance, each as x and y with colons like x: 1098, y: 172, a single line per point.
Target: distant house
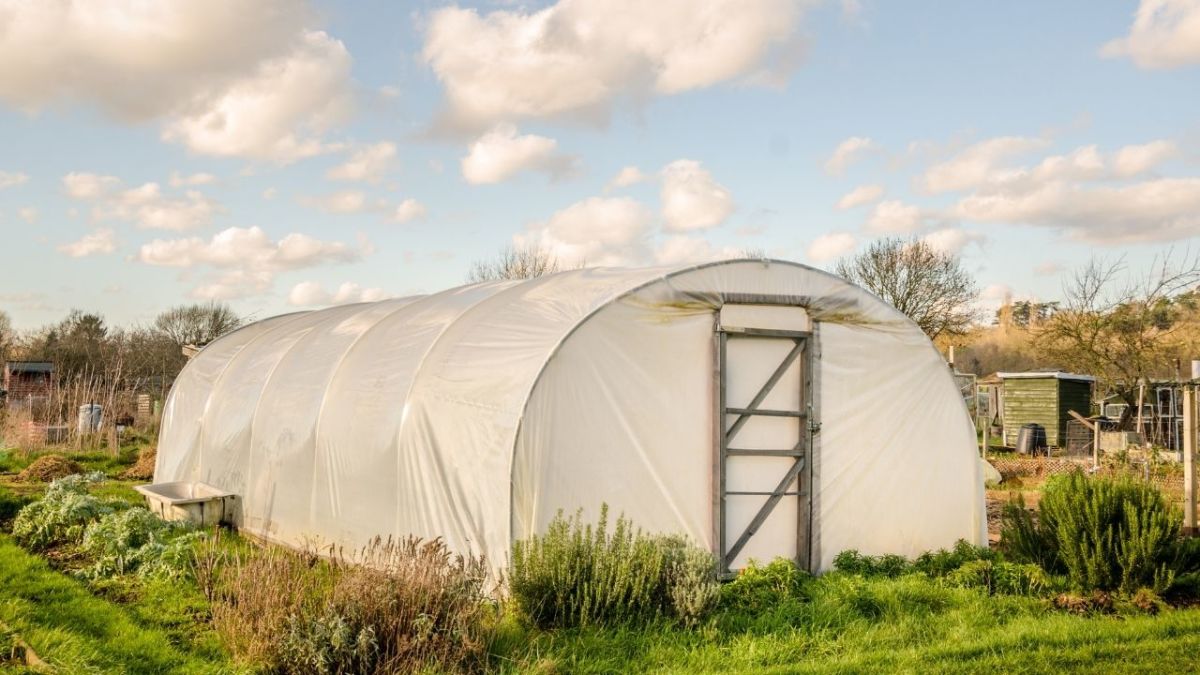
x: 1045, y: 398
x: 27, y: 381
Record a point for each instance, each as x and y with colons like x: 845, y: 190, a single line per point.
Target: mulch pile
x: 143, y: 469
x: 48, y: 467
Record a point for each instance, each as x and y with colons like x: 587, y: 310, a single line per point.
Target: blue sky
x: 329, y: 152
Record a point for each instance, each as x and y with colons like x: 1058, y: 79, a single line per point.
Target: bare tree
x: 927, y: 284
x: 514, y: 262
x: 7, y: 336
x: 1121, y: 328
x: 197, y: 324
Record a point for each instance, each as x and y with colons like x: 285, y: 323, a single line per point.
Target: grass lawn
x: 854, y: 625
x: 77, y: 632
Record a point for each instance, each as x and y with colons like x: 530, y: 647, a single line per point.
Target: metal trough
x: 198, y: 503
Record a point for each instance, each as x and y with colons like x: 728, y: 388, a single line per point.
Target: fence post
x: 1190, y: 414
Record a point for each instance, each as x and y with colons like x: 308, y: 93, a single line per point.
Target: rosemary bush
x: 578, y: 574
x: 1103, y: 533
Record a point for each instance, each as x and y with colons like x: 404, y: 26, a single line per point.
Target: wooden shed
x: 1045, y: 398
x: 27, y: 380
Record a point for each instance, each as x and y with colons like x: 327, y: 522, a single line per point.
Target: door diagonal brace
x: 765, y: 510
x: 766, y: 389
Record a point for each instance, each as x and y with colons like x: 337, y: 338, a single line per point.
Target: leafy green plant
x: 760, y: 588
x: 327, y: 644
x: 890, y: 565
x: 579, y: 575
x: 62, y: 515
x: 136, y: 540
x: 937, y: 564
x: 1103, y: 533
x: 996, y: 576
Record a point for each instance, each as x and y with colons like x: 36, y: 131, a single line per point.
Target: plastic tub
x: 198, y: 503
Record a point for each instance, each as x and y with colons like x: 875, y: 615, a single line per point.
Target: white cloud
x: 596, y: 231
x: 180, y: 180
x: 389, y: 91
x: 408, y: 210
x: 691, y: 199
x: 577, y: 57
x: 313, y: 294
x: 228, y: 77
x: 952, y: 239
x: 831, y: 246
x: 245, y: 260
x: 1164, y: 34
x: 863, y: 194
x: 630, y: 175
x: 277, y: 113
x: 88, y: 185
x: 976, y: 164
x: 101, y: 241
x: 1163, y: 209
x: 145, y: 205
x: 501, y: 153
x: 269, y: 193
x: 1048, y: 269
x: 28, y: 214
x: 847, y: 153
x: 1133, y: 160
x: 368, y: 163
x: 12, y: 178
x: 682, y: 249
x: 343, y: 201
x: 895, y: 217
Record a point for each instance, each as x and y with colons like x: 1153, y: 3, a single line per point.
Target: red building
x: 26, y: 381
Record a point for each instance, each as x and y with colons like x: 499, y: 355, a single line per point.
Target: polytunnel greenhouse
x: 762, y: 408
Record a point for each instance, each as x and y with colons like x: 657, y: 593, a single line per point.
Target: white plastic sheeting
x: 475, y: 414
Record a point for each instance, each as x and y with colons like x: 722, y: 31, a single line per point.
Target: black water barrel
x: 1031, y: 439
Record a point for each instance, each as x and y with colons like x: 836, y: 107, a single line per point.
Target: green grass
x: 910, y: 624
x: 156, y: 628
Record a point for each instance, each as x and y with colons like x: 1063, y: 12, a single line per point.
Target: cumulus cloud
x: 681, y: 249
x: 976, y: 164
x: 578, y: 57
x: 847, y: 153
x: 227, y: 77
x: 12, y: 178
x: 145, y: 205
x: 244, y: 261
x: 313, y: 294
x: 28, y: 214
x: 630, y: 175
x: 1133, y: 160
x: 343, y: 201
x: 180, y: 180
x: 368, y: 163
x: 952, y: 239
x: 1164, y: 34
x: 101, y: 241
x: 408, y: 210
x: 691, y: 198
x: 895, y: 217
x: 596, y: 231
x: 863, y: 194
x: 501, y: 153
x: 831, y: 246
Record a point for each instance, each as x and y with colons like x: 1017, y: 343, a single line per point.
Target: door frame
x: 803, y: 451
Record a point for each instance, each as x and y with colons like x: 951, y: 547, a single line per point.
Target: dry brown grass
x: 143, y: 468
x: 400, y: 606
x: 47, y: 468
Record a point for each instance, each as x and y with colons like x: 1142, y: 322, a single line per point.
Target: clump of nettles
x: 62, y: 515
x: 577, y: 574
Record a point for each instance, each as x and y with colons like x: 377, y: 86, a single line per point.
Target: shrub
x: 136, y: 540
x: 580, y: 575
x: 1104, y: 533
x: 760, y: 588
x: 60, y: 516
x: 937, y: 564
x: 1000, y: 577
x: 398, y: 608
x: 853, y: 562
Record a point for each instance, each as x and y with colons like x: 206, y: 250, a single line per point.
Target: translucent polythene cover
x: 477, y: 413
